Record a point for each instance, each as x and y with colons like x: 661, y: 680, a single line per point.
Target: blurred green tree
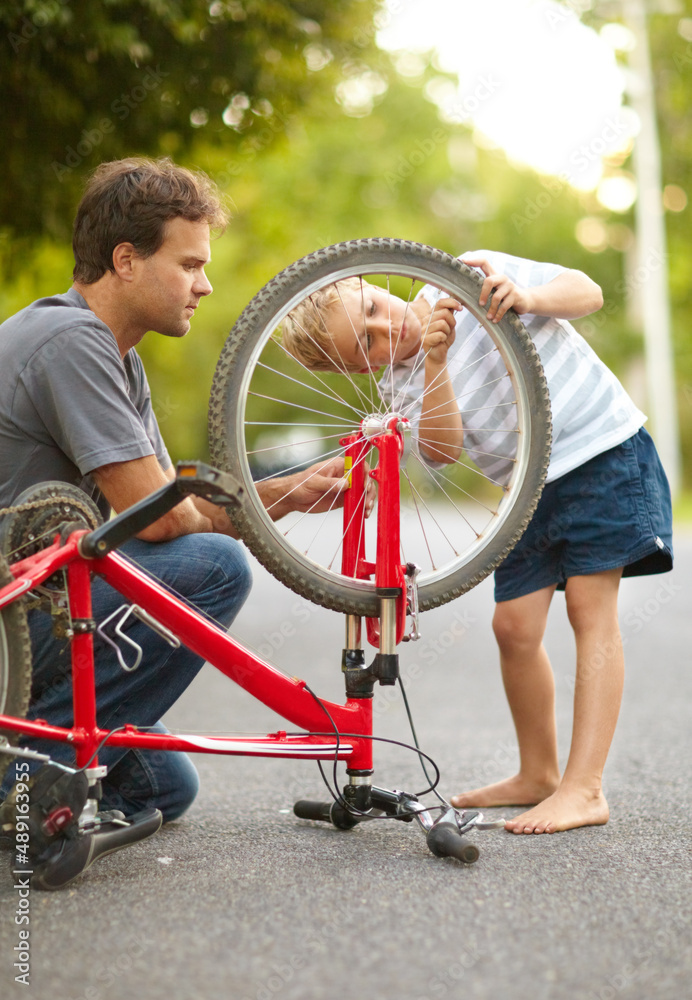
x: 389, y: 166
x: 669, y: 26
x: 366, y: 152
x: 84, y: 82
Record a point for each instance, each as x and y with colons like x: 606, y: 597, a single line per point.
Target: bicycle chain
x: 31, y: 599
x: 32, y: 504
x: 47, y: 502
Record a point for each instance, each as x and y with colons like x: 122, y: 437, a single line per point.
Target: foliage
x: 350, y: 149
x: 84, y: 82
x: 399, y: 171
x: 670, y: 42
x: 672, y: 64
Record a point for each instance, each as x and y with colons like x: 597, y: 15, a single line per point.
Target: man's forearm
x: 275, y: 494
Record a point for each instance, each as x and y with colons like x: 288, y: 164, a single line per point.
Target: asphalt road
x: 240, y: 899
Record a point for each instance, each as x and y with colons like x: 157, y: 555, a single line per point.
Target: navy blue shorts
x: 613, y: 510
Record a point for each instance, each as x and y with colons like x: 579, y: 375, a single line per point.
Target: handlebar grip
x: 327, y: 812
x: 305, y: 809
x: 446, y: 842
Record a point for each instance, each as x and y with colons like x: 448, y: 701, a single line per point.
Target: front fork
x: 361, y: 800
x: 387, y: 631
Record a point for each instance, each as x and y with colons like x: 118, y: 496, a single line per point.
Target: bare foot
x: 516, y: 791
x: 565, y: 809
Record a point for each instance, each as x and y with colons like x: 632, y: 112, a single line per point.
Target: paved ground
x: 242, y: 900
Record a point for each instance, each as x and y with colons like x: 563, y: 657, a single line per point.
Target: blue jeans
x: 212, y: 573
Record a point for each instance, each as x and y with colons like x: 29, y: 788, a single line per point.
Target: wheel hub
x: 381, y: 423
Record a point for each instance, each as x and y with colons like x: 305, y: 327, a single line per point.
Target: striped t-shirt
x: 590, y: 409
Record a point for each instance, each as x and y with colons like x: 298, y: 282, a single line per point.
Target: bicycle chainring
x: 35, y: 518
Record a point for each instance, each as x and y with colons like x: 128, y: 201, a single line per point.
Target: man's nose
x: 203, y: 285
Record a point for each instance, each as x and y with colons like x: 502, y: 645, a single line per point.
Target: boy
x: 604, y: 469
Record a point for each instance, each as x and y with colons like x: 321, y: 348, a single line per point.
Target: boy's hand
x: 440, y: 330
x: 506, y: 295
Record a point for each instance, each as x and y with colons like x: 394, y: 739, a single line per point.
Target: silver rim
x: 280, y: 409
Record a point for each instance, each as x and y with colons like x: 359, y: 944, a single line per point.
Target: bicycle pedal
x: 206, y: 481
x: 57, y: 796
x: 66, y: 860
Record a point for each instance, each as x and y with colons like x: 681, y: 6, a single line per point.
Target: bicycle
x: 53, y: 543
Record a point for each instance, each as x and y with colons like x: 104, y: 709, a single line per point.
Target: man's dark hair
x: 130, y: 201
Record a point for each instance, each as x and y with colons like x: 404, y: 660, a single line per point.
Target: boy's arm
x: 568, y: 296
x: 441, y: 435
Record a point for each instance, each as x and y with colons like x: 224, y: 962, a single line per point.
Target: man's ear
x: 124, y: 257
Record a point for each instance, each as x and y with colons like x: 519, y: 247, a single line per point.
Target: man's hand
x: 439, y: 330
x: 506, y: 294
x: 316, y: 489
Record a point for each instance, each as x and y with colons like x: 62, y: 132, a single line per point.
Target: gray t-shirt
x: 68, y: 402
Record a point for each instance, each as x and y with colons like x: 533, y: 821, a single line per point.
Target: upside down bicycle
x: 438, y: 531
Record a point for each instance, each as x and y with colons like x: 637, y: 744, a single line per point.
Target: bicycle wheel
x: 269, y: 416
x: 15, y: 664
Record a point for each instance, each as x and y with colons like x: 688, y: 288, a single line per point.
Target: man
x: 75, y: 406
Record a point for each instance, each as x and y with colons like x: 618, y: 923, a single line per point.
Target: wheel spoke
x: 271, y: 408
x: 292, y: 444
x: 325, y: 456
x: 304, y: 385
x: 291, y: 405
x: 466, y: 493
x: 414, y: 496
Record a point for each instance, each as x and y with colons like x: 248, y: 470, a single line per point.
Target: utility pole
x: 651, y: 252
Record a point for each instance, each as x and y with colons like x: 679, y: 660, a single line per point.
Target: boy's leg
x: 519, y: 626
x: 579, y: 799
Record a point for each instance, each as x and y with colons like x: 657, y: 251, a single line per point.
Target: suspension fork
x: 389, y: 573
x: 386, y: 632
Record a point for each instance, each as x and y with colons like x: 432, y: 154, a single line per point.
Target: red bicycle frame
x: 287, y: 696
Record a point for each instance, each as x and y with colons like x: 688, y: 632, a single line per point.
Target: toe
x: 458, y: 801
x: 515, y: 827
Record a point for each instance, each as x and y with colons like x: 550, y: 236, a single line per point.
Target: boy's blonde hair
x: 304, y: 332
